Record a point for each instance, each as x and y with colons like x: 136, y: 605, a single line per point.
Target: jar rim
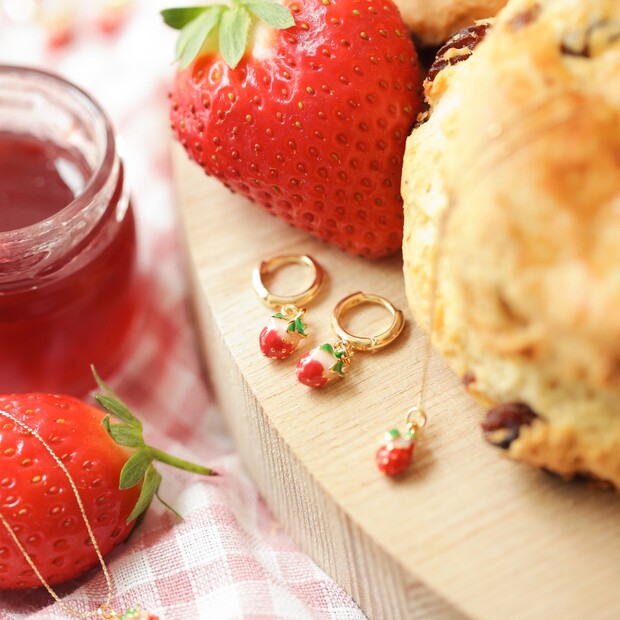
x: 100, y: 173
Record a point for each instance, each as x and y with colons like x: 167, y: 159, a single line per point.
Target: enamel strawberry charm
x: 282, y: 334
x: 323, y: 364
x: 396, y: 452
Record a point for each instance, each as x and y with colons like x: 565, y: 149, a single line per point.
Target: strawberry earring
x: 325, y: 363
x: 285, y: 329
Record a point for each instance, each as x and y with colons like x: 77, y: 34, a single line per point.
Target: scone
x: 512, y: 181
x: 434, y: 21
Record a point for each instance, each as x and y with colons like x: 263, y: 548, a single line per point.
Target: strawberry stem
x: 139, y: 467
x: 163, y: 457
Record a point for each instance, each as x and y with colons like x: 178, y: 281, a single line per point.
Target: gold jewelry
x: 285, y: 329
x: 396, y: 452
x: 327, y: 362
x: 104, y: 610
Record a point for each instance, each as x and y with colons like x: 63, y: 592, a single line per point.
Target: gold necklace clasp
x: 105, y: 611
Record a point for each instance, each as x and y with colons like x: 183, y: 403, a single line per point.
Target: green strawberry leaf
x: 300, y: 327
x: 328, y: 348
x: 135, y: 468
x: 272, y: 13
x: 167, y: 505
x: 278, y: 315
x: 152, y: 480
x: 234, y: 22
x: 113, y: 404
x: 234, y: 30
x: 118, y: 410
x: 291, y: 327
x: 106, y: 423
x: 125, y: 435
x: 178, y: 18
x: 195, y: 34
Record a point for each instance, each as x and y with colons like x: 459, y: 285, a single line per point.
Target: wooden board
x: 467, y: 533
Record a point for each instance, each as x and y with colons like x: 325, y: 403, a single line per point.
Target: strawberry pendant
x: 396, y: 453
x: 133, y: 613
x: 324, y: 364
x: 137, y: 613
x: 282, y: 334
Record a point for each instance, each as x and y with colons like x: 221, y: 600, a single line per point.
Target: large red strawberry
x: 36, y: 498
x: 305, y: 112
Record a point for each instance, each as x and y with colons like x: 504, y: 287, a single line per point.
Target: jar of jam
x: 70, y: 287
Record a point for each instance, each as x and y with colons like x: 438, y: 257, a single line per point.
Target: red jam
x: 78, y: 311
x: 37, y: 179
x: 69, y: 284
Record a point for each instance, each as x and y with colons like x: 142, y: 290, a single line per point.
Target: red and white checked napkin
x: 228, y: 559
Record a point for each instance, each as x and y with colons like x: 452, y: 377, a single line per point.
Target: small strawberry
x: 281, y: 336
x: 395, y: 454
x: 321, y: 365
x: 305, y: 112
x: 112, y: 469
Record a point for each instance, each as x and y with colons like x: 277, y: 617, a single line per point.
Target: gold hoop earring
x: 285, y: 329
x: 325, y: 363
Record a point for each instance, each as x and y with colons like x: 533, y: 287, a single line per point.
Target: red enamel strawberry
x: 320, y: 366
x: 281, y: 336
x: 36, y: 499
x: 395, y: 454
x: 304, y: 109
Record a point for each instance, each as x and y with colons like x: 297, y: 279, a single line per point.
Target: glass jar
x: 70, y: 287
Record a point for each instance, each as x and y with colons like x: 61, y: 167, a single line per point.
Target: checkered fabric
x: 228, y: 559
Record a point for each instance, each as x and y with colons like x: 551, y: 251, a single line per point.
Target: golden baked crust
x: 522, y: 151
x: 434, y: 21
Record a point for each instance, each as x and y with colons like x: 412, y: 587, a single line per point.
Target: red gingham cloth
x: 228, y: 559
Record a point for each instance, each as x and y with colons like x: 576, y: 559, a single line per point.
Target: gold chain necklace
x: 396, y: 452
x: 105, y: 610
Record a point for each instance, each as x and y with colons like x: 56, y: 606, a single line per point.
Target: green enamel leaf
x: 234, y: 30
x: 152, y: 480
x: 178, y: 18
x: 195, y: 34
x: 291, y: 327
x: 328, y: 348
x: 339, y: 354
x: 271, y: 13
x: 300, y: 327
x: 338, y: 367
x: 135, y: 468
x: 279, y: 315
x: 125, y: 435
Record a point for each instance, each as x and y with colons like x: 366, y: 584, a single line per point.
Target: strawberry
x: 309, y: 121
x: 109, y: 463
